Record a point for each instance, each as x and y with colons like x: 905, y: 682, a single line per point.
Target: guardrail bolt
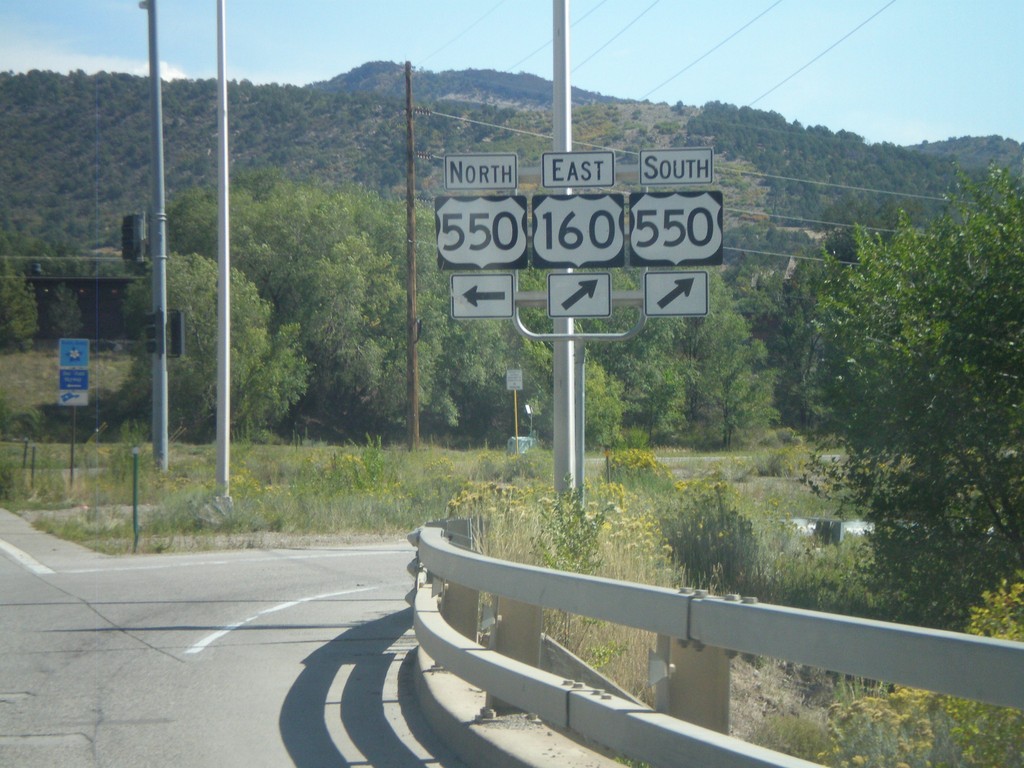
x: 486, y: 713
x: 732, y: 598
x: 750, y: 601
x: 701, y: 593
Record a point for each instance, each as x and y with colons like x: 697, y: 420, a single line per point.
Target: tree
x: 925, y: 348
x: 18, y: 314
x: 63, y: 314
x: 268, y: 372
x: 728, y: 386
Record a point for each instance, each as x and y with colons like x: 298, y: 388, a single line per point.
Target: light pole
x: 158, y: 249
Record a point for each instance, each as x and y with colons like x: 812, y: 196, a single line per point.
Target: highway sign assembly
x: 482, y: 296
x: 73, y: 374
x: 481, y: 232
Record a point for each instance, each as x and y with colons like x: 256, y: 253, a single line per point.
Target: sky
x: 900, y: 71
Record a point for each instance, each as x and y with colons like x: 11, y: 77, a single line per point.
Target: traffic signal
x: 133, y: 237
x: 155, y: 333
x: 175, y: 333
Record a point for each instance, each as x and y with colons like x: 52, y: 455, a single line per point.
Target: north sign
x: 580, y: 295
x: 676, y: 294
x: 495, y: 170
x: 675, y: 229
x: 480, y: 296
x: 577, y: 231
x: 481, y: 232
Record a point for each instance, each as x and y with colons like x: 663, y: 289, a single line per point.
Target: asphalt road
x: 242, y: 658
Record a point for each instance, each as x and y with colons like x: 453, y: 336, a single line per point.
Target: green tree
x: 268, y: 372
x: 925, y: 348
x: 728, y: 386
x: 18, y: 314
x: 63, y: 314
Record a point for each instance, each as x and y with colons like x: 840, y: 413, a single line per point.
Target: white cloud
x: 24, y: 56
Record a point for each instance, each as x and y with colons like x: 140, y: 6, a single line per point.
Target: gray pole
x: 158, y: 249
x: 566, y: 476
x: 223, y: 268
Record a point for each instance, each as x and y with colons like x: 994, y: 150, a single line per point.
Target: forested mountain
x: 76, y: 147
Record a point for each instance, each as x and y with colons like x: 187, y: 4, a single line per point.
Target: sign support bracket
x: 524, y: 331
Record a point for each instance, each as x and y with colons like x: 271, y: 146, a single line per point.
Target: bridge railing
x: 697, y: 634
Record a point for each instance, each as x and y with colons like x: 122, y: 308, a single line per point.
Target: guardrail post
x: 460, y: 608
x: 699, y: 685
x: 516, y: 634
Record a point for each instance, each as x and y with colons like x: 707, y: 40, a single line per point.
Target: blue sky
x: 902, y: 71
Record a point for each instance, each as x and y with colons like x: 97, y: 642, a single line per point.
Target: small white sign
x: 676, y: 294
x: 73, y: 397
x: 678, y: 167
x: 482, y: 296
x: 514, y: 379
x: 497, y: 170
x: 562, y: 170
x: 580, y: 295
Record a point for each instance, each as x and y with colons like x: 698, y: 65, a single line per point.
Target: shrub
x: 792, y: 735
x: 906, y: 729
x: 637, y: 461
x: 990, y: 735
x: 711, y: 540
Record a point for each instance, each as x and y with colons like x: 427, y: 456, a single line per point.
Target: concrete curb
x: 452, y: 706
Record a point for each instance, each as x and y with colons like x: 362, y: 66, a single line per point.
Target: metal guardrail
x: 705, y: 630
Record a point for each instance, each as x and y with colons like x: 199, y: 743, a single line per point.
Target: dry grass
x: 30, y: 380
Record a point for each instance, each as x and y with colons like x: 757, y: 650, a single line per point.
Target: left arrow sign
x: 474, y: 295
x: 482, y: 295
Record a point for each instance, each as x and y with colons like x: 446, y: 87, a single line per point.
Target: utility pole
x: 158, y: 250
x: 566, y: 474
x: 411, y: 320
x: 223, y: 267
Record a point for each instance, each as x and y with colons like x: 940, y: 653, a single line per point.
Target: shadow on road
x: 367, y: 649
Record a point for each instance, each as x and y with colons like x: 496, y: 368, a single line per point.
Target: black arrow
x: 587, y: 288
x: 474, y: 295
x: 683, y: 286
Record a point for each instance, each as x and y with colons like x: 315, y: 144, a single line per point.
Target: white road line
x: 24, y: 559
x: 151, y: 566
x: 215, y: 636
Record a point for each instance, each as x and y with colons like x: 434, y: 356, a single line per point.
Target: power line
x: 743, y: 212
x: 464, y: 31
x: 710, y: 51
x: 837, y: 42
x: 834, y: 185
x: 617, y: 35
x: 546, y: 44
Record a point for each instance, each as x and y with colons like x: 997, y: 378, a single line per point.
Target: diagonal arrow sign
x: 587, y: 288
x: 474, y: 296
x: 683, y: 287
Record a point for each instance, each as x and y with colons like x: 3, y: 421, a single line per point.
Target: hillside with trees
x: 76, y: 147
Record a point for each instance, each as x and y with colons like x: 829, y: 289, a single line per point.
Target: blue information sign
x: 74, y: 353
x: 74, y: 378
